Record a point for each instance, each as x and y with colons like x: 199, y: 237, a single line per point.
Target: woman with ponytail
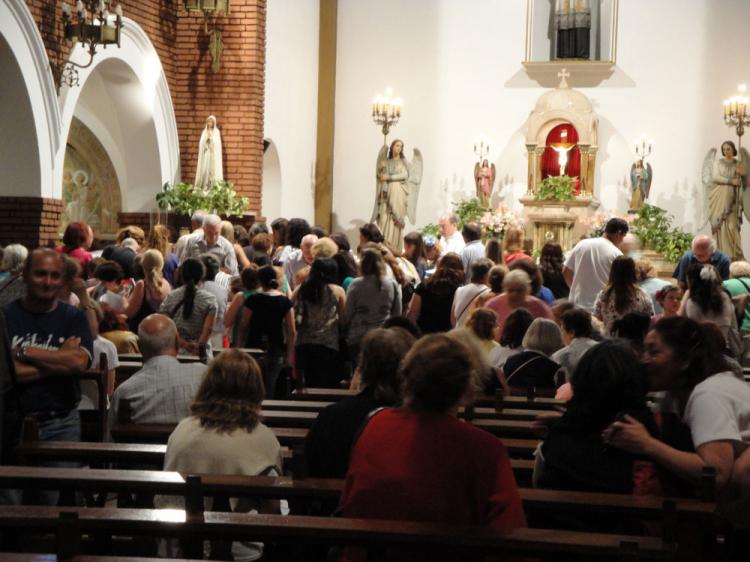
x: 680, y: 359
x: 193, y: 309
x: 267, y: 315
x: 150, y: 291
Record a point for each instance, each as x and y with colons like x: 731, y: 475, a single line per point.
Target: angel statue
x: 640, y: 184
x: 209, y: 169
x: 723, y: 179
x: 484, y: 179
x: 397, y: 191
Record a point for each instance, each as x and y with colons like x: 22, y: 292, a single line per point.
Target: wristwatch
x: 20, y: 354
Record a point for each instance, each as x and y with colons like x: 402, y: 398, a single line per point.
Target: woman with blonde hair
x: 148, y: 292
x: 158, y: 239
x: 513, y: 245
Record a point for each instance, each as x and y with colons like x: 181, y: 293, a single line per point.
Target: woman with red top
x: 76, y: 239
x: 421, y: 463
x: 517, y: 294
x: 513, y: 245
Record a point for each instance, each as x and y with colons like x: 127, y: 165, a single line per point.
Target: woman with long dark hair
x: 193, y: 309
x: 414, y: 252
x: 431, y: 305
x: 319, y: 312
x: 551, y: 263
x: 266, y: 317
x: 622, y: 295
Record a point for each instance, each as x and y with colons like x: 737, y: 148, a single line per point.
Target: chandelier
x: 386, y: 111
x: 214, y: 8
x: 95, y: 23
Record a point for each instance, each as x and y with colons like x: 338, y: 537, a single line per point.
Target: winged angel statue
x: 397, y: 191
x: 484, y: 179
x: 725, y: 181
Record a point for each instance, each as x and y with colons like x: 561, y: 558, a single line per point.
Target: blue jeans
x: 65, y: 428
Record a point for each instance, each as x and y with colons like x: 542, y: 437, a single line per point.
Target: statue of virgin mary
x: 209, y: 169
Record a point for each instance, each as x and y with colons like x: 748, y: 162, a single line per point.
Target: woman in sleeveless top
x: 149, y: 292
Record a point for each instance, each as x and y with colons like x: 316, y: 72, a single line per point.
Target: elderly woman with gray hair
x: 738, y: 286
x: 12, y: 286
x: 533, y: 366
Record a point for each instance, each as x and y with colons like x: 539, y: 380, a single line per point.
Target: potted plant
x: 556, y: 188
x: 184, y: 199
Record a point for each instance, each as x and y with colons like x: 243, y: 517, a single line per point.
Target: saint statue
x: 397, y: 191
x: 723, y: 179
x: 640, y: 184
x: 484, y: 179
x: 209, y: 169
x: 573, y: 25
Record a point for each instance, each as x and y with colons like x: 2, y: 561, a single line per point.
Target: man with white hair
x: 212, y: 242
x: 299, y: 259
x: 703, y: 251
x: 196, y: 229
x: 161, y: 392
x: 453, y: 240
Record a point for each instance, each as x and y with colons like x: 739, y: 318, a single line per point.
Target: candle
x: 101, y: 6
x: 79, y: 7
x: 66, y: 10
x: 726, y: 109
x: 118, y: 10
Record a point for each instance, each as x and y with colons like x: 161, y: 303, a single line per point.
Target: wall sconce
x: 211, y: 8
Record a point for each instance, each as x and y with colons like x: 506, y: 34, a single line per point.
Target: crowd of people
x: 651, y: 370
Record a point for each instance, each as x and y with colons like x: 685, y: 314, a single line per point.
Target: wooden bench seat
x: 159, y: 433
x: 70, y: 524
x: 30, y: 557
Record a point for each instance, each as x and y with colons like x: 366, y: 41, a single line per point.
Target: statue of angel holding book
x: 397, y: 192
x: 725, y: 180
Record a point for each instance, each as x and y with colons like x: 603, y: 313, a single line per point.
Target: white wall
x: 457, y: 65
x: 290, y: 120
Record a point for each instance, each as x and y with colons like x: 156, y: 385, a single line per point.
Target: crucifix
x: 563, y: 75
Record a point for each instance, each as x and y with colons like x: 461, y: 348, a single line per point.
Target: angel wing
x: 478, y: 178
x: 379, y: 164
x: 647, y: 182
x: 414, y: 181
x: 743, y: 163
x: 493, y: 175
x: 707, y: 174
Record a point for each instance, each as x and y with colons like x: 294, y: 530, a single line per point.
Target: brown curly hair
x: 231, y: 393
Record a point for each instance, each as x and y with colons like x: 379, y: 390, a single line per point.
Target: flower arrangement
x: 495, y: 223
x: 557, y: 188
x: 185, y: 198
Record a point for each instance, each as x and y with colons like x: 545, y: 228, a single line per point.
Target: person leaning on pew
x: 421, y: 463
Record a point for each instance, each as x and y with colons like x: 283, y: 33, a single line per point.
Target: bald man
x: 161, y: 392
x: 299, y: 259
x: 703, y: 251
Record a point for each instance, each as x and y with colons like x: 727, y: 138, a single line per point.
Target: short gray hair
x: 14, y: 256
x: 197, y: 217
x: 452, y: 218
x: 543, y: 336
x: 704, y: 238
x: 739, y: 269
x: 211, y: 220
x: 517, y: 277
x: 155, y: 344
x: 131, y: 243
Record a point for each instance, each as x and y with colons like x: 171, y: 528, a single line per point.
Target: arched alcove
x: 124, y: 101
x: 271, y: 197
x: 28, y: 106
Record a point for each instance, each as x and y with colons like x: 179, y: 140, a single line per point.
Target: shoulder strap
x: 468, y: 304
x: 521, y: 366
x: 744, y: 284
x: 9, y: 281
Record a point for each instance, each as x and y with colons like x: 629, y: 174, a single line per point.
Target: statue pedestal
x: 557, y: 221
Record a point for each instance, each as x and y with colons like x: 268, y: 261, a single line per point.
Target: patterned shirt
x: 189, y: 328
x: 161, y: 392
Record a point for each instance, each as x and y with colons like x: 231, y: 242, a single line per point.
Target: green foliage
x: 653, y: 227
x: 468, y: 210
x: 430, y: 229
x: 185, y: 199
x: 556, y: 188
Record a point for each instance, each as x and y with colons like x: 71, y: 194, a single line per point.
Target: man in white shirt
x: 453, y: 241
x: 587, y: 268
x: 196, y: 229
x: 467, y: 295
x: 212, y: 242
x: 299, y: 259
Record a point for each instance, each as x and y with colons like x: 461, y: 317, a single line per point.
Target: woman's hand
x: 629, y: 435
x: 384, y: 177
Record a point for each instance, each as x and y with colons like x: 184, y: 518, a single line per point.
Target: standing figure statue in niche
x: 209, y: 170
x: 484, y: 179
x: 640, y: 184
x: 573, y: 25
x: 397, y: 191
x: 723, y: 179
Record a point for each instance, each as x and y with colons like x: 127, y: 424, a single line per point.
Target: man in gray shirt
x: 212, y: 242
x: 161, y: 392
x: 474, y: 249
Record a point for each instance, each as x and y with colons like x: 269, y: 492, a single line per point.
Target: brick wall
x: 235, y: 94
x: 31, y: 221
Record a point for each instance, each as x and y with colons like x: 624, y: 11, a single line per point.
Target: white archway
x: 271, y: 195
x: 28, y: 106
x: 124, y: 99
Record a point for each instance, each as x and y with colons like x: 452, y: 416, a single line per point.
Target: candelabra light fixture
x: 643, y: 148
x: 481, y: 150
x: 95, y: 23
x: 386, y: 111
x: 210, y: 8
x: 735, y: 113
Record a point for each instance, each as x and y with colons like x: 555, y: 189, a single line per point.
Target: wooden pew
x: 30, y: 557
x: 159, y: 433
x: 195, y: 526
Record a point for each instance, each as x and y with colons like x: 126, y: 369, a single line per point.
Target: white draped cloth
x: 209, y: 169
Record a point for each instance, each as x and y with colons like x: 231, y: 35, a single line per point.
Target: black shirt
x: 530, y: 368
x: 267, y: 322
x: 124, y: 256
x: 437, y: 301
x: 555, y: 282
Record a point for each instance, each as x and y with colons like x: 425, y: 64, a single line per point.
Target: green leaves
x: 468, y: 210
x: 430, y: 229
x: 557, y: 188
x: 653, y: 226
x: 185, y: 199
